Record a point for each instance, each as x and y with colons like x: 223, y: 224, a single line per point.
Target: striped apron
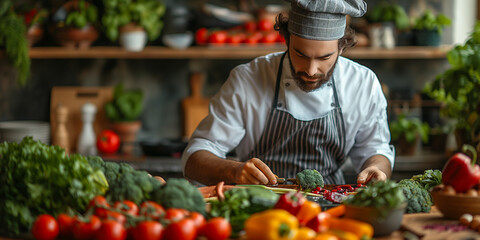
x: 289, y: 145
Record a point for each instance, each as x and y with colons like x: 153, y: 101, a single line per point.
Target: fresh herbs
x: 13, y: 39
x: 389, y: 12
x: 82, y: 14
x: 428, y: 21
x: 459, y: 87
x: 429, y: 178
x: 126, y: 106
x: 410, y: 128
x: 382, y: 195
x: 240, y: 203
x: 37, y: 178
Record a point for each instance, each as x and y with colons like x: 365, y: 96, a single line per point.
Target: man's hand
x: 377, y: 167
x: 254, y: 171
x: 370, y: 173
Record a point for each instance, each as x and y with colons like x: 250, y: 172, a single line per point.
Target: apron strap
x: 277, y: 85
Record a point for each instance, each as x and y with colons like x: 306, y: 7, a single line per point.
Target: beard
x: 318, y: 80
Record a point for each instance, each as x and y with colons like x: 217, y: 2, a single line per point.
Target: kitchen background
x: 165, y: 81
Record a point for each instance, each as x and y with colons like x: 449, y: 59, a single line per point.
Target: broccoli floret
x: 179, y: 193
x: 419, y: 199
x: 309, y: 179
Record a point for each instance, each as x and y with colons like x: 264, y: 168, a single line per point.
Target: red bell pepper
x: 460, y: 171
x: 291, y: 202
x: 320, y: 223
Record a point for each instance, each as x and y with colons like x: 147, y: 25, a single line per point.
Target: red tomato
x: 198, y: 219
x: 265, y: 25
x: 250, y: 26
x: 218, y: 37
x: 108, y: 142
x: 236, y: 38
x: 45, y: 227
x: 201, y: 36
x: 148, y: 230
x: 253, y: 38
x: 175, y: 214
x: 152, y: 209
x: 216, y: 229
x: 184, y: 229
x: 65, y: 224
x: 269, y: 37
x: 111, y: 215
x: 127, y: 206
x: 86, y: 230
x: 111, y: 230
x: 98, y: 203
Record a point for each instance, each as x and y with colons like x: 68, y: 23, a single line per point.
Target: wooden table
x: 418, y: 223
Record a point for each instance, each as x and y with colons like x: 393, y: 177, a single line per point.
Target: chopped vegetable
x: 37, y: 178
x: 310, y: 179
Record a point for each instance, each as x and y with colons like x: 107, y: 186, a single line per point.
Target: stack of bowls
x: 15, y: 131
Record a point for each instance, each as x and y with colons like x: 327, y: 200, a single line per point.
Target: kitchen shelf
x: 228, y: 52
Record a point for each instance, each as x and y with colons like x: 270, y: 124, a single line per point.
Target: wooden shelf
x: 228, y: 52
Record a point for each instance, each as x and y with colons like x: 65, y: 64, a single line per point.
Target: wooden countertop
x: 420, y: 224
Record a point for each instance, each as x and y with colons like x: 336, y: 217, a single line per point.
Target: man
x: 307, y: 108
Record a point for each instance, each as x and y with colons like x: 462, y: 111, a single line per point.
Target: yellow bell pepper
x: 305, y: 233
x: 308, y: 210
x: 273, y: 224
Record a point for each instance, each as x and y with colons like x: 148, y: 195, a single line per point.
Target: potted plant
x: 407, y: 132
x: 428, y: 28
x: 34, y: 17
x: 458, y: 89
x: 124, y: 111
x: 133, y: 21
x: 77, y: 28
x: 13, y: 39
x: 386, y: 20
x: 381, y: 204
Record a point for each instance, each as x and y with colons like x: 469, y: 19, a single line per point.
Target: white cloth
x: 239, y: 111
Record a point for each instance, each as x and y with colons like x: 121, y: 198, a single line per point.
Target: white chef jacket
x: 238, y: 112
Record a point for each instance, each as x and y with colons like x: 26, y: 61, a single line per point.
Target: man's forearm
x: 381, y: 162
x: 206, y: 168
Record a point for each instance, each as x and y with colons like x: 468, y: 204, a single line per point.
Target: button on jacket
x: 239, y: 111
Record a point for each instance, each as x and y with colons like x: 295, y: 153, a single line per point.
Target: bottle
x: 61, y: 134
x: 87, y: 140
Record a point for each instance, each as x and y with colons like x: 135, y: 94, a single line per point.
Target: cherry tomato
x: 127, y: 206
x: 250, y: 26
x: 218, y: 37
x: 184, y: 229
x: 148, y: 230
x: 86, y: 230
x: 108, y: 142
x: 98, y: 201
x: 198, y: 219
x: 111, y: 230
x: 45, y: 227
x: 65, y: 224
x: 269, y: 37
x: 216, y: 229
x: 253, y: 38
x: 175, y: 214
x: 201, y: 36
x: 236, y: 38
x: 115, y: 216
x: 265, y: 25
x: 152, y: 209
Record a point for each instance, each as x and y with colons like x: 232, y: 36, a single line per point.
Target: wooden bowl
x: 453, y: 206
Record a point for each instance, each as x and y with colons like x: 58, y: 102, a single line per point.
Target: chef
x: 306, y: 108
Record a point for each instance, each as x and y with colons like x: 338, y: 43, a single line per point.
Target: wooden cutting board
x: 73, y: 98
x: 194, y: 107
